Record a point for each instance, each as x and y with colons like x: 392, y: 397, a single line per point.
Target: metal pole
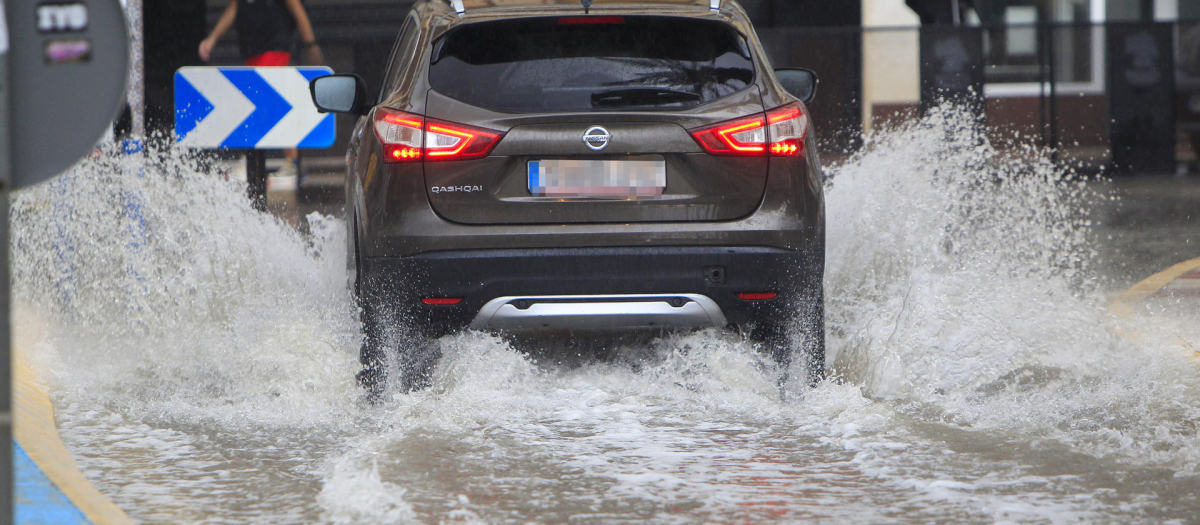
x: 1041, y: 57
x: 256, y: 178
x: 137, y: 85
x: 1053, y: 92
x: 6, y: 457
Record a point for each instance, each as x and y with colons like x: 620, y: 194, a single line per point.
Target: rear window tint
x: 560, y: 64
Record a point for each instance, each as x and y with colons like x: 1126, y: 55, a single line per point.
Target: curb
x: 36, y: 432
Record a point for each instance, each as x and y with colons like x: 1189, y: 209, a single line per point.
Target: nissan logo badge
x: 596, y: 138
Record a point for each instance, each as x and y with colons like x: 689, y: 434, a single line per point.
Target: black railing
x: 1111, y: 96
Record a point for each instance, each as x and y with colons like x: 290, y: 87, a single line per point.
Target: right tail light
x: 412, y: 138
x: 787, y: 128
x: 779, y: 133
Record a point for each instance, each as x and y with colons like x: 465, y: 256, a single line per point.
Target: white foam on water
x: 202, y: 357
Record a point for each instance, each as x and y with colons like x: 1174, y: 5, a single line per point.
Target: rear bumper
x: 711, y: 275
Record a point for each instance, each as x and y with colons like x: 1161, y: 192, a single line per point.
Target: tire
x: 395, y: 357
x: 794, y: 334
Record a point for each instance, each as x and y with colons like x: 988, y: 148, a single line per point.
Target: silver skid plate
x: 599, y: 311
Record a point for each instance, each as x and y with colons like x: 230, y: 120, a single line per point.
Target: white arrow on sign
x: 230, y: 107
x: 250, y: 107
x: 302, y: 118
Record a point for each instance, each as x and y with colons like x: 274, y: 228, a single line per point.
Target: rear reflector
x: 587, y: 20
x: 762, y: 296
x: 442, y: 301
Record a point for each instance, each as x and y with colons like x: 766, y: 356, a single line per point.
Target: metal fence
x: 1124, y: 97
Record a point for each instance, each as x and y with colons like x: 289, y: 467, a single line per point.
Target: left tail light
x: 411, y: 138
x: 400, y: 134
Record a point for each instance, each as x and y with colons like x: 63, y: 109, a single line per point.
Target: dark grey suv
x: 534, y: 165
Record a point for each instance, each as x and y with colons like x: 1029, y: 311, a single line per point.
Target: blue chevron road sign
x: 250, y: 108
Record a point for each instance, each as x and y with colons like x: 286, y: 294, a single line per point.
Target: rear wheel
x: 794, y: 337
x: 393, y: 356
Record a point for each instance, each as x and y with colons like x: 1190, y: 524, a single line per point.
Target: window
x: 590, y: 63
x: 402, y: 56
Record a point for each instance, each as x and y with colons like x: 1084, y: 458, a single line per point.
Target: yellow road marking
x: 35, y: 429
x: 1123, y: 306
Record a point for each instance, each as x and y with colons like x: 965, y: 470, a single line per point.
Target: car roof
x: 483, y: 4
x: 442, y: 11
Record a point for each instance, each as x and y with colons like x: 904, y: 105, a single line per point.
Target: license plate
x: 634, y: 177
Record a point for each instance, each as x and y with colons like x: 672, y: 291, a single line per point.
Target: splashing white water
x: 978, y: 377
x: 168, y: 294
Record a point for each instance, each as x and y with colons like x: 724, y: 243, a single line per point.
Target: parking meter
x: 67, y: 66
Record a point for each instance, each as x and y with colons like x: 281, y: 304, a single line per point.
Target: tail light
x: 448, y: 141
x: 744, y: 137
x: 400, y: 133
x: 787, y: 127
x: 410, y: 138
x: 778, y: 133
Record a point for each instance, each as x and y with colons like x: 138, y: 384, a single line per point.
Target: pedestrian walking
x: 266, y: 32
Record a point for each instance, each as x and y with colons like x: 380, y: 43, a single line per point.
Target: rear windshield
x: 591, y: 63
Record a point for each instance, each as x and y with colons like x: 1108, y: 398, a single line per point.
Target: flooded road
x: 202, y: 357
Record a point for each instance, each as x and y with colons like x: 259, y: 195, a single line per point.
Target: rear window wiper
x: 642, y: 96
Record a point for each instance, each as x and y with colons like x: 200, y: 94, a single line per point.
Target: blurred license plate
x: 636, y: 177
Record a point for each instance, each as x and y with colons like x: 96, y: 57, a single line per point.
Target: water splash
x: 961, y: 288
x: 206, y: 351
x: 168, y: 294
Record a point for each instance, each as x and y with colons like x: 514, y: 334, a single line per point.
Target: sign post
x: 952, y: 68
x: 63, y: 67
x: 1141, y: 88
x: 252, y: 108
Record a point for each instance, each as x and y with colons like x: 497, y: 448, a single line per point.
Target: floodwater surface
x: 201, y: 356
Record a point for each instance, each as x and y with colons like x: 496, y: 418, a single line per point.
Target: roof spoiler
x: 457, y: 5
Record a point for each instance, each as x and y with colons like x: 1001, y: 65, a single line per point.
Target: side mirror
x: 339, y: 94
x: 800, y: 82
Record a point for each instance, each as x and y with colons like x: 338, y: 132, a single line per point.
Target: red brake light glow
x: 410, y: 138
x: 742, y: 137
x: 446, y: 141
x: 587, y: 20
x: 780, y: 134
x: 788, y: 129
x: 400, y: 134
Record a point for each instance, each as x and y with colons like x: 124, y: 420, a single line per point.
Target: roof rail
x: 715, y: 5
x: 458, y: 6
